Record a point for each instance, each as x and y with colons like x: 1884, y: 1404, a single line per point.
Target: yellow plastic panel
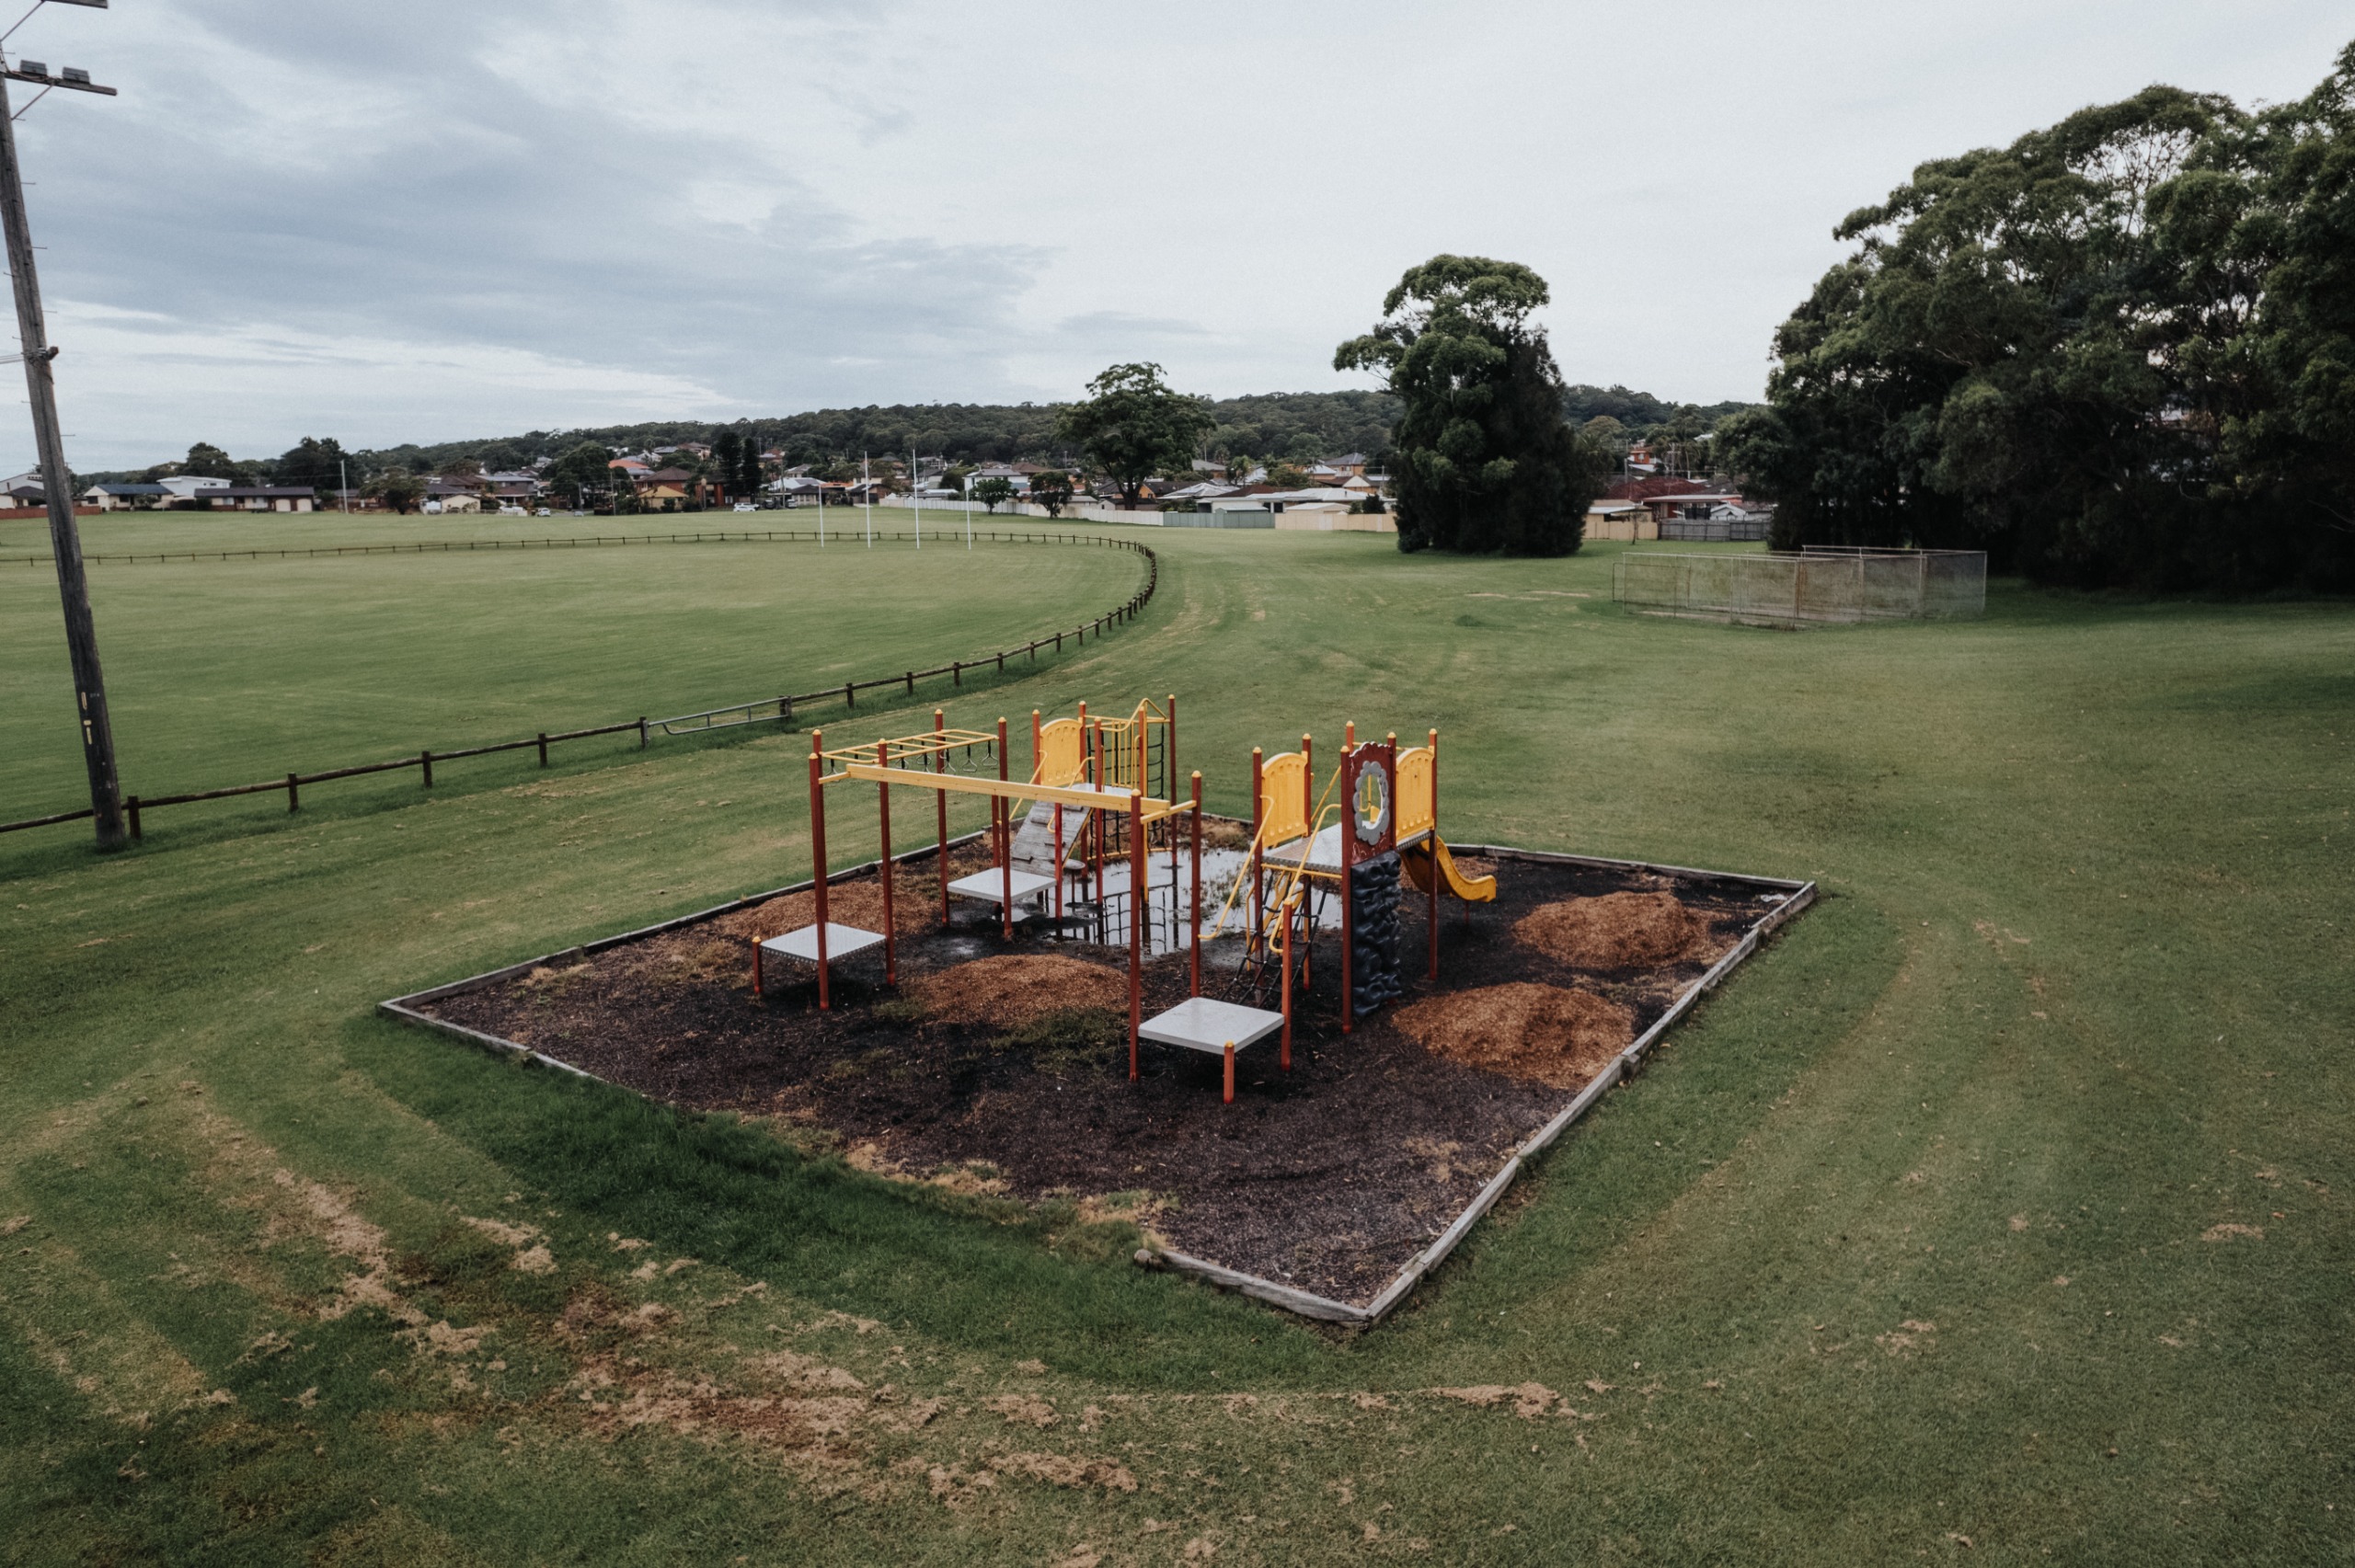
x: 1283, y: 798
x: 1062, y: 757
x: 1414, y: 792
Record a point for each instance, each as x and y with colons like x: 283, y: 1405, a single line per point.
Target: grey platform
x: 1323, y: 852
x: 990, y: 886
x: 1202, y: 1024
x: 842, y: 941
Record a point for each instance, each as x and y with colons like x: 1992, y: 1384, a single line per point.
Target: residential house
x: 262, y: 497
x: 663, y: 489
x: 509, y: 488
x: 1634, y: 508
x: 450, y: 496
x: 125, y: 498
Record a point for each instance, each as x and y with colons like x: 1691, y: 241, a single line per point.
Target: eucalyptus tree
x: 1133, y: 427
x: 2120, y: 351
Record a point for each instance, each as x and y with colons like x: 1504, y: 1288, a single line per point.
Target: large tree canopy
x: 1133, y: 427
x: 321, y: 464
x: 2119, y: 351
x: 1481, y: 458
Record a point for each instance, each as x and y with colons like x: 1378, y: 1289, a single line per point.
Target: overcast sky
x: 446, y: 218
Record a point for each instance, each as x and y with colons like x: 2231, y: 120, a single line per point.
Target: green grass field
x: 1999, y: 1210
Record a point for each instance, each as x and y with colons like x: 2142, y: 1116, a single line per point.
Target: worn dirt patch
x: 1549, y: 1035
x: 1018, y: 988
x: 1617, y: 931
x: 1529, y: 1401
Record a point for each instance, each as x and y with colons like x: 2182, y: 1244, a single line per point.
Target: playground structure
x: 1085, y: 817
x: 1075, y: 840
x: 1376, y: 818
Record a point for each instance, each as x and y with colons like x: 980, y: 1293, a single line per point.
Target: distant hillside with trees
x: 1271, y: 427
x: 1640, y: 411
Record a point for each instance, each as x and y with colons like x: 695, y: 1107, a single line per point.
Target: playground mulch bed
x: 1014, y: 1057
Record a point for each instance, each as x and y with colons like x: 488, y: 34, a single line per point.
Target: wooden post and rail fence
x: 779, y: 710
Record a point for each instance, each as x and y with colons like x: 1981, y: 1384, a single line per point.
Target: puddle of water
x: 1168, y: 891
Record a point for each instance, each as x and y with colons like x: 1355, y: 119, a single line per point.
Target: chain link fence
x: 1822, y: 585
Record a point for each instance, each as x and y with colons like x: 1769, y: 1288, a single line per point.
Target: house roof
x: 126, y: 490
x: 1655, y: 488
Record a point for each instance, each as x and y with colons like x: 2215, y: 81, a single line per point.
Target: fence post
x: 957, y: 667
x: 641, y: 732
x: 850, y: 695
x: 132, y: 806
x: 543, y: 749
x: 425, y: 760
x: 293, y: 800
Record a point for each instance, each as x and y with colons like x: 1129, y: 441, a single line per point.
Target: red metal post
x: 1284, y: 1054
x: 1005, y: 841
x: 891, y: 937
x: 818, y: 853
x: 1230, y: 1072
x: 1194, y: 928
x: 1259, y: 932
x: 1136, y: 923
x: 940, y: 765
x: 1349, y: 883
x: 757, y: 992
x: 1431, y: 848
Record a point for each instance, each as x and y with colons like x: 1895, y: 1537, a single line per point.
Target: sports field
x: 1999, y: 1210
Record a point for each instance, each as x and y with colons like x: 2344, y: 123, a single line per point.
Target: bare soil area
x: 1009, y: 1061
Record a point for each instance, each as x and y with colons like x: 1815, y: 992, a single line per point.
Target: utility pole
x: 56, y: 481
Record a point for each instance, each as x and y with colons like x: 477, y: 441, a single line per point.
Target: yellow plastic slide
x: 1417, y: 858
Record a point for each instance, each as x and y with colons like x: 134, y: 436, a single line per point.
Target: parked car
x: 744, y: 506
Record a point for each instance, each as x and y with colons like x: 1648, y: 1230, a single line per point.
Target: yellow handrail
x: 1326, y: 806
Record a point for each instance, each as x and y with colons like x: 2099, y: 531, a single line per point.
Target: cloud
x: 250, y: 380
x: 441, y: 219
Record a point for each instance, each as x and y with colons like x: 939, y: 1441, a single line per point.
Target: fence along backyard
x: 778, y: 710
x: 1822, y: 584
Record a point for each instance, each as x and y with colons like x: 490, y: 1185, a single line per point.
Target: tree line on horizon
x: 1291, y: 428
